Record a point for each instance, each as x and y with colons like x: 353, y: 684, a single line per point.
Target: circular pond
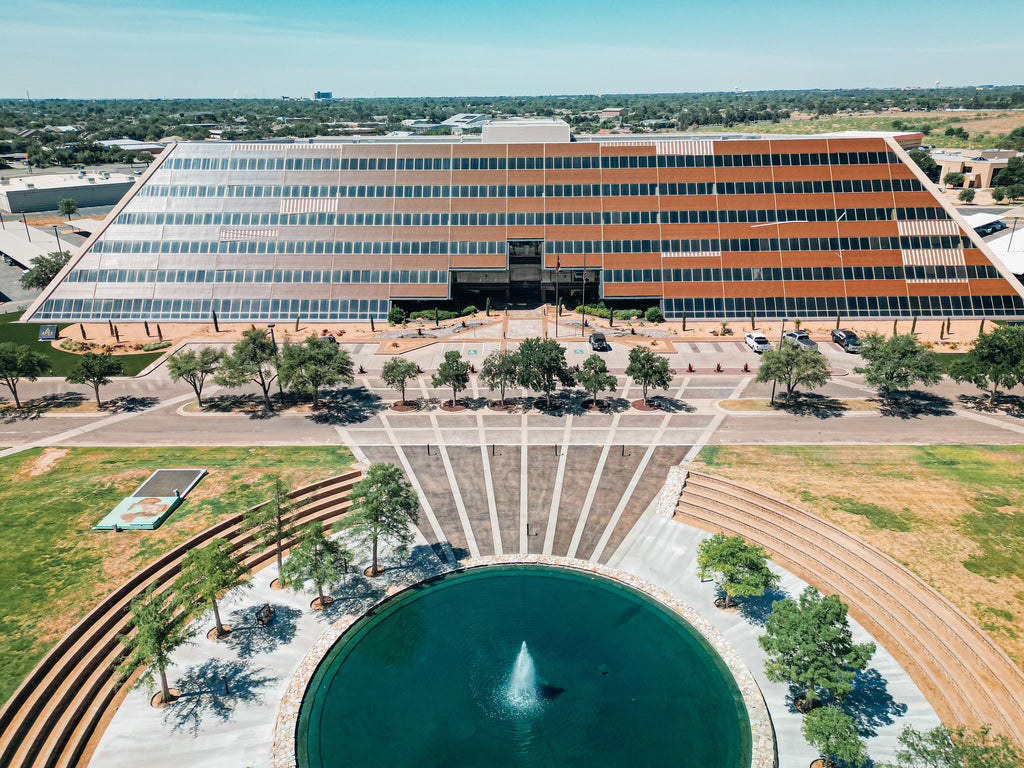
x: 522, y: 666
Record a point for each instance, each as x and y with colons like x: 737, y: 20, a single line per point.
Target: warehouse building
x: 706, y: 226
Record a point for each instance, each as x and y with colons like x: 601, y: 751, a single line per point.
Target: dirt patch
x: 997, y: 124
x: 44, y: 462
x: 59, y: 221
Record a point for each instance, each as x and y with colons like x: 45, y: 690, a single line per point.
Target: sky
x: 268, y: 49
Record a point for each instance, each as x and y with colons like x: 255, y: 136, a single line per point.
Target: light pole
x: 280, y: 389
x: 781, y: 331
x: 59, y: 249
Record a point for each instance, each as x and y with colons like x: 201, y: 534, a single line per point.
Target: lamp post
x: 59, y: 249
x: 781, y: 331
x: 280, y: 389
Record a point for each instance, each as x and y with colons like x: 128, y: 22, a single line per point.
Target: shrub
x: 155, y: 346
x: 428, y: 314
x: 654, y: 315
x: 470, y: 310
x: 396, y: 315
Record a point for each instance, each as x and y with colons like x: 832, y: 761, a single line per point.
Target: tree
x: 648, y: 370
x: 897, y: 362
x: 317, y: 559
x: 925, y: 163
x: 500, y: 370
x: 20, y: 361
x: 997, y: 360
x: 809, y: 643
x: 396, y: 372
x: 195, y: 368
x: 159, y: 629
x: 44, y: 269
x: 271, y: 523
x: 834, y: 734
x: 741, y: 569
x: 953, y: 179
x: 966, y: 195
x: 95, y: 370
x: 206, y: 574
x: 960, y: 747
x: 998, y: 195
x: 384, y: 506
x: 67, y: 208
x: 1011, y: 175
x: 252, y: 360
x: 452, y: 372
x: 593, y: 376
x: 542, y: 365
x: 314, y: 364
x: 793, y: 366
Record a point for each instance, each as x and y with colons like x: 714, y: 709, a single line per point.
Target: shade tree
x: 500, y: 370
x: 897, y: 362
x: 647, y: 370
x: 384, y: 508
x: 957, y: 747
x: 206, y: 574
x: 195, y: 368
x: 316, y: 363
x: 17, y: 362
x: 272, y: 522
x: 317, y: 559
x: 593, y: 376
x: 452, y: 372
x: 834, y: 734
x: 396, y: 372
x: 95, y: 370
x: 792, y: 366
x: 156, y: 628
x: 44, y: 269
x: 808, y: 643
x: 542, y: 366
x: 741, y: 569
x: 253, y: 360
x: 996, y: 360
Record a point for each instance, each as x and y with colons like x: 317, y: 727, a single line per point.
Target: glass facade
x: 789, y: 226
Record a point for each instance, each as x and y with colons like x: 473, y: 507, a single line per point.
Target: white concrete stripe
x: 435, y: 526
x: 467, y: 528
x: 524, y: 485
x: 556, y: 493
x: 623, y: 501
x: 581, y: 523
x: 492, y: 506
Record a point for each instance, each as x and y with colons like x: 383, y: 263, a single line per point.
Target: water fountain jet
x: 522, y: 687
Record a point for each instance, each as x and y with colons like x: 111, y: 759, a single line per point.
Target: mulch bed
x: 157, y: 704
x: 276, y: 584
x: 404, y: 406
x: 451, y: 407
x: 541, y: 405
x: 800, y: 702
x: 215, y: 636
x: 495, y: 405
x: 720, y: 604
x: 596, y: 407
x: 368, y: 571
x: 640, y: 405
x: 317, y: 605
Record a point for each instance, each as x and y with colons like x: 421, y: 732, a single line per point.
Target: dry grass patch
x: 949, y: 513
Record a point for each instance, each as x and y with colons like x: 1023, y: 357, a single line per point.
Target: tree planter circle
x: 214, y: 635
x: 318, y: 605
x: 819, y: 763
x: 156, y: 703
x: 720, y: 604
x: 596, y: 407
x: 803, y: 707
x: 368, y: 571
x: 495, y: 405
x: 276, y: 584
x: 453, y: 407
x: 554, y: 405
x: 403, y: 406
x: 644, y: 405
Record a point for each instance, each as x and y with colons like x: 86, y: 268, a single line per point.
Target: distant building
x: 977, y: 165
x: 44, y: 191
x: 131, y: 145
x: 322, y: 96
x: 464, y: 120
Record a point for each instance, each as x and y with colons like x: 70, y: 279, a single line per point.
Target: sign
x: 47, y: 332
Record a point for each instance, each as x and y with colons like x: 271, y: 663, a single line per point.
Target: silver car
x: 800, y: 338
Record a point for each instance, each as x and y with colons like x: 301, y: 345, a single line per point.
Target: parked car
x: 846, y: 339
x: 757, y: 342
x: 800, y: 338
x: 598, y: 342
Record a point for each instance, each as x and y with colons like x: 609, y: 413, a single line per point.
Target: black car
x: 598, y: 342
x: 846, y: 339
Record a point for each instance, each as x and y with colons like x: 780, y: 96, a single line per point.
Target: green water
x: 423, y: 680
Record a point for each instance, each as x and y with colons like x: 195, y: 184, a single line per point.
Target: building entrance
x: 524, y: 271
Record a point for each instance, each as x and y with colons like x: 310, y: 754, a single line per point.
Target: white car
x: 757, y: 342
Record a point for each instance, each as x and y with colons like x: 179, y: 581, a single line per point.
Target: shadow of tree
x: 203, y: 695
x: 914, y: 403
x: 757, y: 609
x: 810, y: 404
x: 671, y: 405
x: 348, y: 406
x: 1011, y: 405
x: 249, y: 638
x: 129, y: 404
x: 34, y: 408
x: 870, y: 703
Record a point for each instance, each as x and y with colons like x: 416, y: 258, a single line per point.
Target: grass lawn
x: 54, y: 568
x: 61, y: 361
x: 949, y: 513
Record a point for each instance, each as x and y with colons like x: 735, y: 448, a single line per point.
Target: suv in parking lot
x: 800, y: 338
x: 598, y: 342
x: 846, y: 339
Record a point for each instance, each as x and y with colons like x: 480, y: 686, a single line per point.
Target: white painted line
x: 427, y: 509
x: 634, y: 533
x: 587, y: 503
x: 491, y: 505
x: 989, y: 420
x: 623, y: 501
x: 460, y: 507
x: 716, y: 422
x: 556, y: 493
